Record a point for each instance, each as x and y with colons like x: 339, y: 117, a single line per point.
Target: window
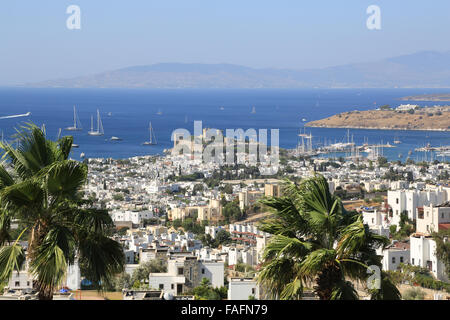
x: 161, y: 285
x: 396, y: 201
x: 203, y: 270
x: 17, y: 283
x: 393, y: 259
x: 190, y: 273
x: 28, y: 283
x: 412, y: 261
x: 172, y: 286
x: 401, y: 259
x: 253, y: 290
x: 180, y: 271
x: 372, y: 220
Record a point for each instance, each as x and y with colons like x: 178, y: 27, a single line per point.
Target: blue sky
x: 36, y: 45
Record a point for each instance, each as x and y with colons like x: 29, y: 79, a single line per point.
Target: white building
x: 213, y: 230
x: 21, y: 280
x: 185, y: 273
x: 410, y: 200
x: 430, y: 219
x: 423, y: 247
x: 407, y: 107
x: 423, y: 254
x: 136, y: 217
x: 242, y: 289
x: 73, y: 277
x: 392, y: 257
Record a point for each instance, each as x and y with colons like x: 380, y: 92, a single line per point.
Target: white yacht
x: 76, y: 122
x: 152, y: 140
x: 99, y: 131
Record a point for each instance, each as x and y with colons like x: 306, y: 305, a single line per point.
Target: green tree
x: 382, y: 162
x: 316, y: 241
x: 222, y: 237
x: 41, y: 190
x: 232, y: 212
x: 142, y: 273
x: 205, y: 291
x: 122, y: 281
x: 228, y: 189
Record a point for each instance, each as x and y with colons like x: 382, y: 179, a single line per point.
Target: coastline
x: 375, y: 128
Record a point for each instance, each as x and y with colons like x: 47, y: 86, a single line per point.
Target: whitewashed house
x: 242, y: 289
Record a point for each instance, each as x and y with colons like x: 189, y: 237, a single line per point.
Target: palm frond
x: 48, y: 265
x: 344, y: 290
x: 293, y: 290
x: 11, y: 259
x: 64, y: 178
x: 285, y: 246
x: 317, y: 261
x: 93, y: 220
x: 100, y: 258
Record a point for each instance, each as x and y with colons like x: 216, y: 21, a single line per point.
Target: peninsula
x: 428, y: 97
x: 431, y: 119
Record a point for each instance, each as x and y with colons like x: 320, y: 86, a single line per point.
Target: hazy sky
x: 35, y: 43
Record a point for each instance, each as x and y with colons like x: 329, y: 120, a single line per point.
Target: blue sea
x: 126, y: 113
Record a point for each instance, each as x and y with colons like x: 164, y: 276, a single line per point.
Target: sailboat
x: 99, y: 131
x: 152, y: 140
x: 76, y: 122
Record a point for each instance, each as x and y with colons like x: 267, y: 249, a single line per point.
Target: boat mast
x: 100, y: 127
x: 74, y: 118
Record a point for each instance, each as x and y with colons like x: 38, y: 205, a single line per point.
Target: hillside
x: 420, y: 70
x: 437, y: 119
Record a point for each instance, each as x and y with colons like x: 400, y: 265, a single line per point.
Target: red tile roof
x: 444, y: 226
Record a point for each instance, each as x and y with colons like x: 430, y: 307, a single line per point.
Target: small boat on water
x: 222, y: 108
x: 82, y: 155
x: 152, y: 140
x: 159, y: 112
x: 116, y: 138
x: 253, y: 110
x: 75, y: 145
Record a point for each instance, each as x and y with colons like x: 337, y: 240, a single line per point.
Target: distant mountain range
x: 425, y: 69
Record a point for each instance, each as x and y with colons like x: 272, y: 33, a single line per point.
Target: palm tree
x: 40, y: 188
x: 316, y: 242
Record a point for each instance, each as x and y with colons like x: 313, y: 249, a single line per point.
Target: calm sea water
x: 126, y: 114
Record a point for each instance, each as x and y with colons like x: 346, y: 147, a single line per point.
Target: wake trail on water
x: 16, y: 116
